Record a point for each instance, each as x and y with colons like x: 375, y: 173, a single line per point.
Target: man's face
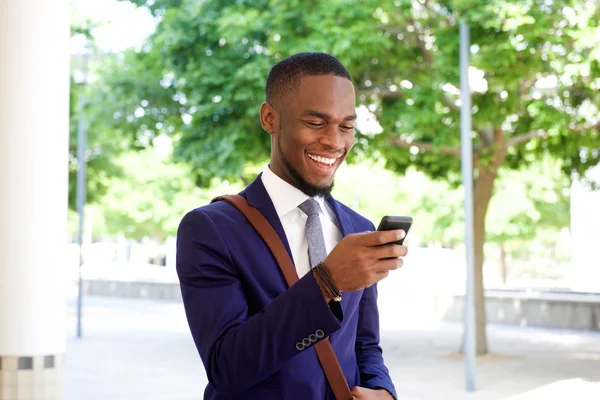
x: 312, y: 132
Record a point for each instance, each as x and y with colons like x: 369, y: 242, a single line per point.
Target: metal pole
x: 467, y: 177
x: 81, y: 186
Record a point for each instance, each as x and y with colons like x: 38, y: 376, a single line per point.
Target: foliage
x: 103, y: 145
x: 527, y: 203
x: 413, y: 195
x: 533, y: 198
x: 152, y: 195
x: 534, y: 71
x: 88, y: 111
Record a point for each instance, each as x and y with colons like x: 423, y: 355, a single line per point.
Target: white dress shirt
x: 286, y: 199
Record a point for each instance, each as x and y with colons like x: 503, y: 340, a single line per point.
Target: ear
x: 269, y: 118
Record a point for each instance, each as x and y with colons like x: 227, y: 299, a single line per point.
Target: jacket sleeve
x: 369, y: 355
x: 238, y: 349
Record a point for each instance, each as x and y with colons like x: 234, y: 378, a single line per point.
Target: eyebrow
x: 326, y: 116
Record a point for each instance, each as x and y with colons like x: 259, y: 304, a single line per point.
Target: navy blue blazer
x: 254, y: 334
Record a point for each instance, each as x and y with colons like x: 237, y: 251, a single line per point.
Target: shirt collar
x: 284, y: 196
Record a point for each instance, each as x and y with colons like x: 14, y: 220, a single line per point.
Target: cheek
x: 292, y: 146
x: 296, y: 141
x: 349, y: 142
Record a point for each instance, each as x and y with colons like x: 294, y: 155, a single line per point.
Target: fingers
x: 381, y: 275
x: 382, y: 237
x: 390, y: 251
x: 391, y: 264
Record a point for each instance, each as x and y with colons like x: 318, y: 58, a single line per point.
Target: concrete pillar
x: 34, y: 132
x: 585, y: 233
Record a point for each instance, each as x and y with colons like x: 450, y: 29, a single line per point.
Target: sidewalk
x: 141, y: 349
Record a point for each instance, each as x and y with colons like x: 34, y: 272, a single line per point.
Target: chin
x: 308, y: 186
x: 320, y: 184
x: 315, y: 189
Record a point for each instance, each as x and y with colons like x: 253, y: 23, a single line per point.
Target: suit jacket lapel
x: 257, y: 197
x: 345, y: 222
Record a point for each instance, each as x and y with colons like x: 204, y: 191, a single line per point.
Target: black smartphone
x: 391, y: 222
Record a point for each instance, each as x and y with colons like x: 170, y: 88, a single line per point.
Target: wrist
x: 325, y: 283
x: 386, y: 392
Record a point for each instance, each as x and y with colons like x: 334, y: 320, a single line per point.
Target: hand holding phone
x: 359, y: 260
x: 391, y: 222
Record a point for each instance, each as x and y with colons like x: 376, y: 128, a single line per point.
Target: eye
x: 347, y: 128
x: 314, y: 124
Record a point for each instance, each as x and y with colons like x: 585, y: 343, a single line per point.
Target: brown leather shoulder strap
x: 325, y: 352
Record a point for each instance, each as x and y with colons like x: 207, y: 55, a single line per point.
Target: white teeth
x: 324, y: 160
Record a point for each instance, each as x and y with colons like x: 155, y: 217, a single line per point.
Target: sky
x: 121, y: 24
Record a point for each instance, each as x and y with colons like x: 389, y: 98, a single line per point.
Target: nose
x: 332, y: 138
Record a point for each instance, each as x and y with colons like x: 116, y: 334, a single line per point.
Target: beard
x: 301, y: 183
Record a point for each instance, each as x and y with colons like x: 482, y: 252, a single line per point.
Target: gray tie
x: 314, y: 232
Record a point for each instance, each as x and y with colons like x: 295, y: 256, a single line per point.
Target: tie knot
x: 310, y: 207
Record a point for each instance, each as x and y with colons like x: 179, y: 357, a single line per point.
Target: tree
x: 97, y: 102
x: 533, y: 83
x: 527, y: 201
x: 152, y: 195
x: 88, y: 107
x: 104, y: 144
x: 413, y: 194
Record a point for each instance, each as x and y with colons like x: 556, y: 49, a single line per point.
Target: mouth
x: 323, y: 165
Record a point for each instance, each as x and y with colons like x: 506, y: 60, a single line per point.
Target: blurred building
x: 34, y: 134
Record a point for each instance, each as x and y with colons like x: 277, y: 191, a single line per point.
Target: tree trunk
x: 482, y: 193
x: 503, y: 266
x: 483, y: 190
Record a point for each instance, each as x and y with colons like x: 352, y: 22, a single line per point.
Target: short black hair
x: 285, y: 76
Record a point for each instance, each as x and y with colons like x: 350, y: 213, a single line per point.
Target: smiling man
x: 255, y: 334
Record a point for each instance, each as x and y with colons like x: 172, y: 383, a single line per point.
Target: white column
x: 585, y: 234
x: 34, y: 132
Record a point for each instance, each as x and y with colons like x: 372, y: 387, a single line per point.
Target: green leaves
x: 202, y: 78
x: 527, y: 201
x: 152, y: 195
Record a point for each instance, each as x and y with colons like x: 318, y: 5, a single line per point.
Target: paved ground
x: 141, y: 349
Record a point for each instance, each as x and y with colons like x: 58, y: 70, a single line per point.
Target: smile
x: 324, y: 160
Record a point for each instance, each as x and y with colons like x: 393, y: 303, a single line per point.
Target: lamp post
x: 467, y: 178
x: 81, y: 78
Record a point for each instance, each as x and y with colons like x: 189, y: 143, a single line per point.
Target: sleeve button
x: 320, y: 334
x: 300, y: 346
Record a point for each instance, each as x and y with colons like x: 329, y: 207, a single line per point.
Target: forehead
x: 325, y: 93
